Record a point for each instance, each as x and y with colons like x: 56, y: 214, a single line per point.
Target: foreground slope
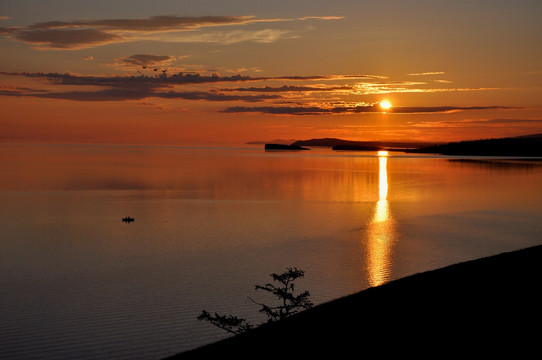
x: 484, y: 307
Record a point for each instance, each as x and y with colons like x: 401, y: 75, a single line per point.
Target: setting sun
x: 385, y: 104
x: 369, y: 139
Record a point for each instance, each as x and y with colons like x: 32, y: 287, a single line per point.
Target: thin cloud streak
x: 356, y: 109
x: 292, y: 88
x: 87, y: 33
x: 64, y: 38
x: 131, y: 81
x: 365, y: 88
x: 427, y: 73
x: 122, y: 94
x: 174, y: 79
x: 145, y: 60
x: 228, y: 37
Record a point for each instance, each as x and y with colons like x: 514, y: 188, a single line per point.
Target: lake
x: 212, y: 222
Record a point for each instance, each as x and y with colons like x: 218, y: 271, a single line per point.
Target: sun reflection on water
x: 382, y: 175
x: 381, y: 232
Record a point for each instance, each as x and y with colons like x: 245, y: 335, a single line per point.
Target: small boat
x: 128, y: 219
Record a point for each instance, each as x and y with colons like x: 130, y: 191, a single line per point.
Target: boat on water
x: 128, y: 219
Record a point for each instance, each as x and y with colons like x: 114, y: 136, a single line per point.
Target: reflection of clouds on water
x: 381, y: 229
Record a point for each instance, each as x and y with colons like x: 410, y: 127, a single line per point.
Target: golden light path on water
x: 381, y: 233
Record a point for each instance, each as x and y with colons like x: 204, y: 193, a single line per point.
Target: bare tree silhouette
x: 289, y: 303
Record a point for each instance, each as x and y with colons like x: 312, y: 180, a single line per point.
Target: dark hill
x: 475, y: 309
x: 340, y: 144
x: 529, y: 145
x: 284, y: 147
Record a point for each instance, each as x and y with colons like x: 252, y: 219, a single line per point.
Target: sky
x: 174, y: 72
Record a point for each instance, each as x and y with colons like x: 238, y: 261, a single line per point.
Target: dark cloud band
x: 121, y: 88
x: 371, y: 108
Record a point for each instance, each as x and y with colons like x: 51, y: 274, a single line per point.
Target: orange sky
x: 238, y: 72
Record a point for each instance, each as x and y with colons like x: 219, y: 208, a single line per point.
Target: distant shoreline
x: 526, y: 146
x: 520, y: 146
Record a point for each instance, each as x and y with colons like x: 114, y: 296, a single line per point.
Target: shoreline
x: 479, y: 307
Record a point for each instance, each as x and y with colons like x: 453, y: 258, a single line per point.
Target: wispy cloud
x: 299, y: 95
x: 353, y: 109
x: 125, y: 94
x: 361, y: 88
x: 173, y: 79
x: 427, y: 73
x: 529, y: 124
x: 62, y: 38
x: 228, y: 37
x: 291, y: 88
x: 321, y: 18
x: 130, y: 81
x: 79, y: 34
x: 145, y: 60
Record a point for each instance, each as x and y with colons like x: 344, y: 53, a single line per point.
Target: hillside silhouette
x: 528, y: 145
x: 479, y: 308
x: 341, y: 144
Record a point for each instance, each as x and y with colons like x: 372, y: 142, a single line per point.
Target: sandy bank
x: 479, y: 308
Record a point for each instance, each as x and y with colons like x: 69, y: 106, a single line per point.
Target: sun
x: 385, y: 105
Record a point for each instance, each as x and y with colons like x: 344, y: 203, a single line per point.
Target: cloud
x: 321, y: 18
x: 427, y: 73
x: 531, y: 125
x: 330, y: 77
x: 298, y: 96
x: 180, y: 78
x: 150, y: 24
x: 292, y: 88
x: 79, y: 34
x: 63, y: 38
x: 123, y: 94
x: 279, y: 110
x: 231, y: 37
x: 130, y: 88
x: 146, y: 60
x: 360, y: 88
x: 508, y: 121
x: 353, y: 109
x: 442, y: 109
x: 213, y: 96
x: 306, y: 110
x: 131, y: 81
x: 6, y: 90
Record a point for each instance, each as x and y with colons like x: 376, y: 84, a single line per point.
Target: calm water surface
x: 210, y: 223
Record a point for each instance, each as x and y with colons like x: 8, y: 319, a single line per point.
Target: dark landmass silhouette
x: 528, y: 145
x: 340, y: 144
x: 479, y: 308
x: 275, y: 141
x: 358, y: 147
x: 284, y: 147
